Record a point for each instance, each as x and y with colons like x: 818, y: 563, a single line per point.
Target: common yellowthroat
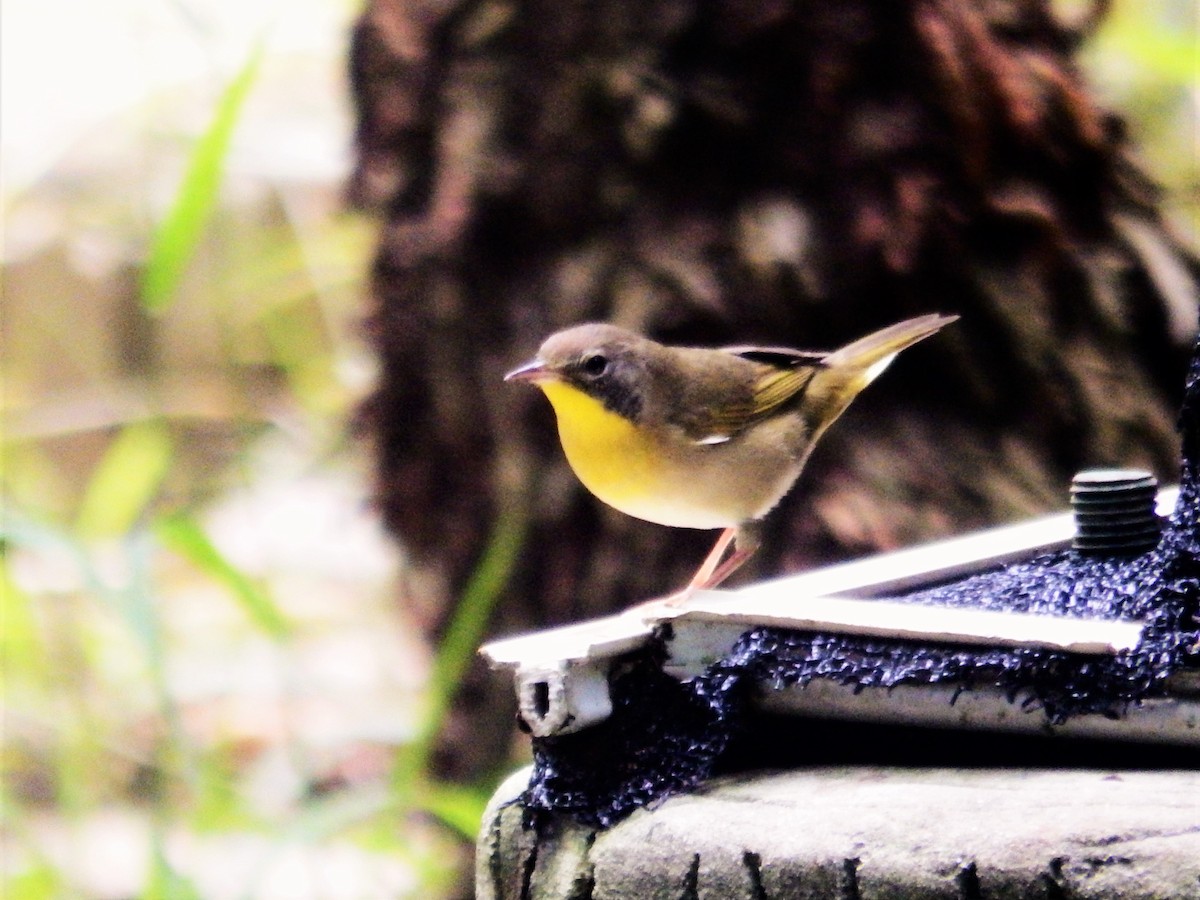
x: 701, y: 438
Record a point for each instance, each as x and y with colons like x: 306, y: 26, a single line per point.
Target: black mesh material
x: 665, y: 736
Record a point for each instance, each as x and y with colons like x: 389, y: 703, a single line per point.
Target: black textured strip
x: 849, y: 882
x: 753, y: 863
x: 967, y: 881
x: 691, y: 883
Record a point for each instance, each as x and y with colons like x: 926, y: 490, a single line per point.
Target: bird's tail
x: 873, y: 352
x: 847, y: 371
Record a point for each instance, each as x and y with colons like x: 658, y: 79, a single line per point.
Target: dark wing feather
x: 780, y: 357
x: 786, y: 373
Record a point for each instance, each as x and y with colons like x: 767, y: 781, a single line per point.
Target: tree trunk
x: 746, y: 171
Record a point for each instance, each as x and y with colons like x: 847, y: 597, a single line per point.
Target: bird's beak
x: 534, y: 370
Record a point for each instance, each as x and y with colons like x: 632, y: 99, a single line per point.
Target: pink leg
x: 713, y: 571
x: 711, y: 562
x: 727, y: 568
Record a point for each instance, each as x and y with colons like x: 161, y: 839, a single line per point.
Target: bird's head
x: 604, y: 362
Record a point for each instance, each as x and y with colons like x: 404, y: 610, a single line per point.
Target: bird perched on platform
x: 696, y: 437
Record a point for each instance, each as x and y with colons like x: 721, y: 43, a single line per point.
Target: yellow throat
x: 616, y: 460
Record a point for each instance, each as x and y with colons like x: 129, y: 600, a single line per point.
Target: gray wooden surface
x: 868, y: 834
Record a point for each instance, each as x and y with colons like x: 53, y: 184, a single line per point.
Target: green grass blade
x: 474, y: 610
x: 184, y: 535
x: 163, y: 882
x: 175, y: 240
x: 461, y: 641
x: 22, y: 651
x: 126, y: 479
x: 459, y: 808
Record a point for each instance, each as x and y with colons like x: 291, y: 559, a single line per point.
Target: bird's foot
x: 714, y: 570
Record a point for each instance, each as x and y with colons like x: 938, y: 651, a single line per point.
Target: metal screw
x: 1114, y: 512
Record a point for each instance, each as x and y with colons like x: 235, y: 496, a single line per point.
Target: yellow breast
x: 637, y: 471
x: 611, y: 456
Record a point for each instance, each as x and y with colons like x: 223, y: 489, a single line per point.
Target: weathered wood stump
x: 867, y: 833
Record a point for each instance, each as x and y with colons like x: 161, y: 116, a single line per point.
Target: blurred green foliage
x: 139, y: 399
x: 1145, y: 62
x: 158, y: 356
x: 174, y: 241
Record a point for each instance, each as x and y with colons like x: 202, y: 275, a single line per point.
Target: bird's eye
x: 594, y: 364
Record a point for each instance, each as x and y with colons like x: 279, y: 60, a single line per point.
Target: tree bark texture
x: 736, y: 171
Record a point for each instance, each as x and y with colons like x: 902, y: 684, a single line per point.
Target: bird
x: 698, y: 437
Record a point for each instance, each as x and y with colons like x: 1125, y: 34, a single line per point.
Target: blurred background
x: 210, y: 689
